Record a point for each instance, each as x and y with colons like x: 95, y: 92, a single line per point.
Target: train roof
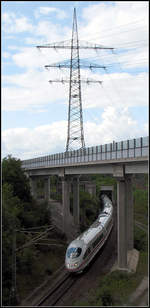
x: 76, y: 243
x: 98, y: 225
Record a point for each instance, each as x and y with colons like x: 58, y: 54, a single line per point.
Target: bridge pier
x: 130, y: 218
x: 76, y: 209
x: 66, y: 203
x: 33, y: 187
x: 125, y: 240
x: 70, y: 223
x: 121, y: 224
x: 47, y: 188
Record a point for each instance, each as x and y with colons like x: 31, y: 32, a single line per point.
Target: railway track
x: 57, y: 291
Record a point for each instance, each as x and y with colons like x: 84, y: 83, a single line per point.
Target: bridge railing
x: 132, y: 148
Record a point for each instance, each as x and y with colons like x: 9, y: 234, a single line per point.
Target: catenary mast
x: 75, y: 132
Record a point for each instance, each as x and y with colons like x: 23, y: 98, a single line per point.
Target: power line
x: 118, y: 28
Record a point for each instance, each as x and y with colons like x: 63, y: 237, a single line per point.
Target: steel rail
x: 58, y: 290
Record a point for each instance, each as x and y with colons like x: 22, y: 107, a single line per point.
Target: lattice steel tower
x: 75, y: 133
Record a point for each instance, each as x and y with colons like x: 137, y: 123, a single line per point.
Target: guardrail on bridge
x: 132, y: 148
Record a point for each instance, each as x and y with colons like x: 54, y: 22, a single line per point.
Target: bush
x: 13, y: 174
x: 141, y: 201
x: 25, y: 260
x: 140, y: 240
x: 104, y: 297
x: 49, y: 271
x: 19, y: 211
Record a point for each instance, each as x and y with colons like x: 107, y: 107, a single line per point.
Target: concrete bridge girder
x: 131, y: 167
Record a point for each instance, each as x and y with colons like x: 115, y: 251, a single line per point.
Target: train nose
x: 72, y: 265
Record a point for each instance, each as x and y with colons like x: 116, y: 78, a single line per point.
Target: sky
x: 35, y: 112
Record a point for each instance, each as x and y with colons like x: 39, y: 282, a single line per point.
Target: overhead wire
x: 118, y: 28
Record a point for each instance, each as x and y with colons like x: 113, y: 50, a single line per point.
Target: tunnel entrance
x: 107, y: 190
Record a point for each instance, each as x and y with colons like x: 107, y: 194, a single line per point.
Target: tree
x: 19, y: 211
x: 10, y: 213
x: 13, y: 174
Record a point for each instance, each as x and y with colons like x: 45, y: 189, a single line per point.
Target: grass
x: 115, y: 288
x: 141, y: 205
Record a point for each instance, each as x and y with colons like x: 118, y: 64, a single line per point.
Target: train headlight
x: 76, y: 264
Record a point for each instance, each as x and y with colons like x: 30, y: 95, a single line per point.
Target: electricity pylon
x: 75, y: 135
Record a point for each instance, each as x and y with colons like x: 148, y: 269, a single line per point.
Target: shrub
x: 105, y: 296
x: 49, y: 271
x: 140, y: 240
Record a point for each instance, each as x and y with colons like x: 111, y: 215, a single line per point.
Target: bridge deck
x: 133, y: 151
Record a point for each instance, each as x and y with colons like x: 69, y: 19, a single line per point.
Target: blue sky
x: 34, y: 112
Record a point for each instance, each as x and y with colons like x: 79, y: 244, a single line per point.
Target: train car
x: 82, y: 250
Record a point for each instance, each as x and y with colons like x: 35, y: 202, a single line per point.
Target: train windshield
x: 74, y: 252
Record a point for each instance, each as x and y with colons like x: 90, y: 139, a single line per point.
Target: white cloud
x: 26, y: 140
x: 116, y: 125
x: 122, y: 24
x: 32, y: 90
x: 6, y: 55
x: 12, y: 23
x: 61, y: 14
x: 118, y: 89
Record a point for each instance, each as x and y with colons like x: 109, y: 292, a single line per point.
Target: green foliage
x: 140, y: 239
x: 19, y: 211
x: 141, y: 201
x: 49, y: 270
x: 106, y: 298
x: 25, y: 260
x: 103, y: 180
x: 89, y: 207
x: 111, y: 284
x: 13, y: 174
x: 12, y: 208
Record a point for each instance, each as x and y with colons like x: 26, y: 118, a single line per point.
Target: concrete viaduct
x: 121, y: 160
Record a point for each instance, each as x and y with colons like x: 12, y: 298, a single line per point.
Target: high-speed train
x: 83, y: 249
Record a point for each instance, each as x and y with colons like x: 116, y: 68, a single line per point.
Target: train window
x: 74, y: 252
x: 97, y: 240
x: 87, y: 253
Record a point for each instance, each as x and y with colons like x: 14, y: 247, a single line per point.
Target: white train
x: 83, y: 249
